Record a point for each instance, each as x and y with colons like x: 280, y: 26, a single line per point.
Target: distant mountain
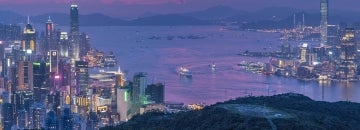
x: 167, y: 20
x: 85, y: 20
x: 9, y: 17
x: 216, y: 13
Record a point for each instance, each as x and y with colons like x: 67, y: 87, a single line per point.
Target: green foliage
x: 307, y: 114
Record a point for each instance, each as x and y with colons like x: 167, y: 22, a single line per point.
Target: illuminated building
x: 24, y: 75
x: 74, y: 32
x: 28, y: 44
x: 347, y: 67
x: 38, y: 114
x: 123, y: 102
x: 82, y: 77
x: 119, y: 78
x: 54, y: 61
x: 49, y: 34
x: 303, y: 53
x: 324, y: 10
x: 64, y: 44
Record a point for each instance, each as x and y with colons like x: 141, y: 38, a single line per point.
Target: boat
x: 184, y: 72
x: 213, y: 66
x: 243, y: 63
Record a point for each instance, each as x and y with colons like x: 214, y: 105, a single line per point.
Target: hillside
x: 285, y: 111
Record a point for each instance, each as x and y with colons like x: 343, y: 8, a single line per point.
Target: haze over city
x: 135, y: 8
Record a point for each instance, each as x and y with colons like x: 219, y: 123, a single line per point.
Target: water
x: 160, y: 59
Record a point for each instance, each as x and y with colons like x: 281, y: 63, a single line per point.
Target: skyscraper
x: 41, y: 75
x: 324, y: 10
x: 139, y: 86
x: 28, y: 44
x: 64, y: 44
x: 347, y: 67
x: 82, y: 77
x: 49, y: 32
x: 74, y: 32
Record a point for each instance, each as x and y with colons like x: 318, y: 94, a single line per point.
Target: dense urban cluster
x: 336, y: 58
x: 47, y: 81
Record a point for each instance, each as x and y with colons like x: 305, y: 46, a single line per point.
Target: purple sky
x: 131, y: 8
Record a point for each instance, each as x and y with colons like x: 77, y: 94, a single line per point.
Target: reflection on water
x: 160, y: 57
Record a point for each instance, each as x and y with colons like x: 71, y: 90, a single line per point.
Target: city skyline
x: 136, y: 8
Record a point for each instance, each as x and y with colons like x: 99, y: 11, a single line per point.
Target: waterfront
x: 137, y: 52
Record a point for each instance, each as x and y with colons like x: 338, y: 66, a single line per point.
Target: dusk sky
x: 134, y: 8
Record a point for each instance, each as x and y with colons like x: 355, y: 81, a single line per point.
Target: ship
x: 213, y: 66
x: 184, y: 72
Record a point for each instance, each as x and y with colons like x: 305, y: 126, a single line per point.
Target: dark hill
x: 285, y: 111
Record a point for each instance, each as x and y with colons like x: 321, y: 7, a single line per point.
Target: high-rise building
x: 333, y: 35
x: 347, y: 67
x: 324, y: 10
x: 303, y: 52
x: 138, y: 88
x: 7, y: 112
x: 64, y: 44
x: 28, y: 44
x: 123, y: 102
x: 37, y: 115
x: 54, y: 61
x: 155, y: 92
x: 74, y: 32
x: 82, y: 77
x: 84, y: 44
x: 49, y: 34
x: 66, y: 122
x: 51, y: 122
x: 41, y: 80
x: 24, y: 75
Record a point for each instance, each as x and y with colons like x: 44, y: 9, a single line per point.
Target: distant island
x: 284, y: 111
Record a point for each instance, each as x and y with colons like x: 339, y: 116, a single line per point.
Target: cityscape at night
x: 179, y: 64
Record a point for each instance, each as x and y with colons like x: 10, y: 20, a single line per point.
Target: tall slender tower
x: 74, y: 32
x: 28, y: 43
x: 324, y: 10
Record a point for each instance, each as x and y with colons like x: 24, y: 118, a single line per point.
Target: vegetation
x: 303, y: 112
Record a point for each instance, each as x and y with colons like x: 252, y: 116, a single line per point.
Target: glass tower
x: 74, y: 31
x: 324, y: 10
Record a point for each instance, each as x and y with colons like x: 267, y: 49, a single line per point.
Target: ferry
x: 184, y: 72
x: 213, y: 66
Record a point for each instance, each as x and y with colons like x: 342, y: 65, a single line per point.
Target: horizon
x: 130, y: 9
